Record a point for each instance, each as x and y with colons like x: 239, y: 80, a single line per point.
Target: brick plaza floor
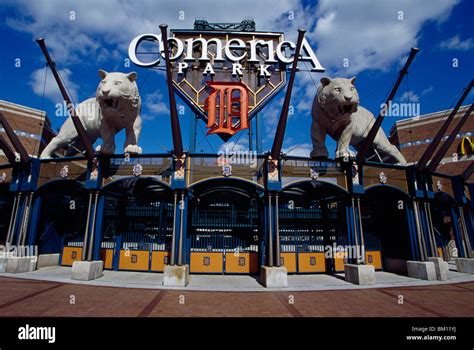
x: 24, y: 297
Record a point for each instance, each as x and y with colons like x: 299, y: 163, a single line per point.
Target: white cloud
x: 368, y: 33
x: 455, y: 43
x: 409, y: 96
x: 428, y: 90
x: 116, y: 22
x: 154, y: 103
x: 51, y: 89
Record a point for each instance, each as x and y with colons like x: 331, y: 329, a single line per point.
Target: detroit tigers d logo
x: 227, y: 108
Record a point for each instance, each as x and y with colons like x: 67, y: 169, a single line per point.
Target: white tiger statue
x: 336, y: 112
x: 116, y: 106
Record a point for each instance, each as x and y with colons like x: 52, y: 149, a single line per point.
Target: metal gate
x: 224, y: 239
x: 306, y: 231
x: 137, y: 236
x: 62, y: 225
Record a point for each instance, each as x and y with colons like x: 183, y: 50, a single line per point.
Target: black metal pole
x: 437, y: 139
x: 15, y: 141
x: 90, y: 153
x: 378, y: 122
x: 175, y: 127
x: 280, y: 132
x: 445, y: 146
x: 7, y: 150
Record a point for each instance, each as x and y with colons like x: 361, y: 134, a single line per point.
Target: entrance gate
x: 387, y: 223
x: 63, y: 212
x: 305, y: 231
x: 137, y: 224
x: 225, y: 239
x: 137, y: 236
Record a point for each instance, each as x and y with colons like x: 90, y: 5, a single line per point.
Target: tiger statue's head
x: 338, y: 97
x: 117, y: 94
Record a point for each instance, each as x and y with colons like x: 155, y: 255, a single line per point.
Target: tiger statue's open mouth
x: 347, y: 108
x: 111, y: 103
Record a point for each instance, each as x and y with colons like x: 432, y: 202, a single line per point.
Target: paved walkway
x: 225, y: 283
x: 36, y: 298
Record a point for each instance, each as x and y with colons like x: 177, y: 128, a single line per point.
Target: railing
x: 246, y: 165
x: 302, y: 168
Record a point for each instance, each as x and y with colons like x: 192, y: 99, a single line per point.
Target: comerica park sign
x: 225, y: 77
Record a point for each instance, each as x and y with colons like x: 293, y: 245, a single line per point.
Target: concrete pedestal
x: 87, y: 270
x: 46, y: 260
x: 274, y: 277
x: 360, y: 274
x: 3, y: 264
x: 465, y: 265
x: 441, y: 268
x: 15, y: 264
x: 176, y: 276
x: 423, y: 270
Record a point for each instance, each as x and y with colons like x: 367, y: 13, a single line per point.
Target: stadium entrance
x: 225, y: 230
x: 312, y: 221
x: 137, y: 227
x: 62, y: 206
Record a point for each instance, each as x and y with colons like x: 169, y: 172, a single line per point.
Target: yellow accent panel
x: 374, y: 258
x: 134, y: 260
x: 289, y: 261
x: 339, y: 262
x: 107, y: 255
x: 71, y: 254
x: 311, y: 262
x: 158, y: 260
x: 243, y: 263
x: 440, y: 252
x: 206, y: 262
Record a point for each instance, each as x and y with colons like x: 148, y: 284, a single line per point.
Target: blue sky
x: 375, y: 37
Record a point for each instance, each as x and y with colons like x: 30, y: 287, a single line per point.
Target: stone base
x: 465, y: 265
x: 441, y: 268
x: 176, y: 276
x: 15, y: 264
x: 274, y: 277
x: 87, y: 270
x: 46, y: 260
x: 360, y: 274
x: 423, y: 270
x: 3, y: 264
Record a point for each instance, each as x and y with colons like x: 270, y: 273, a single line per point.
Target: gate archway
x: 62, y: 216
x: 225, y: 229
x: 137, y: 224
x: 447, y: 226
x: 312, y: 217
x: 386, y: 220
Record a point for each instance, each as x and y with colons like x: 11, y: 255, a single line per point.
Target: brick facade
x: 413, y: 135
x: 32, y: 127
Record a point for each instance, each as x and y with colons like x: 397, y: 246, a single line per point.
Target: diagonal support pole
x: 280, y: 132
x: 378, y: 122
x: 439, y: 135
x: 15, y: 141
x: 452, y: 136
x: 86, y: 142
x: 7, y: 150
